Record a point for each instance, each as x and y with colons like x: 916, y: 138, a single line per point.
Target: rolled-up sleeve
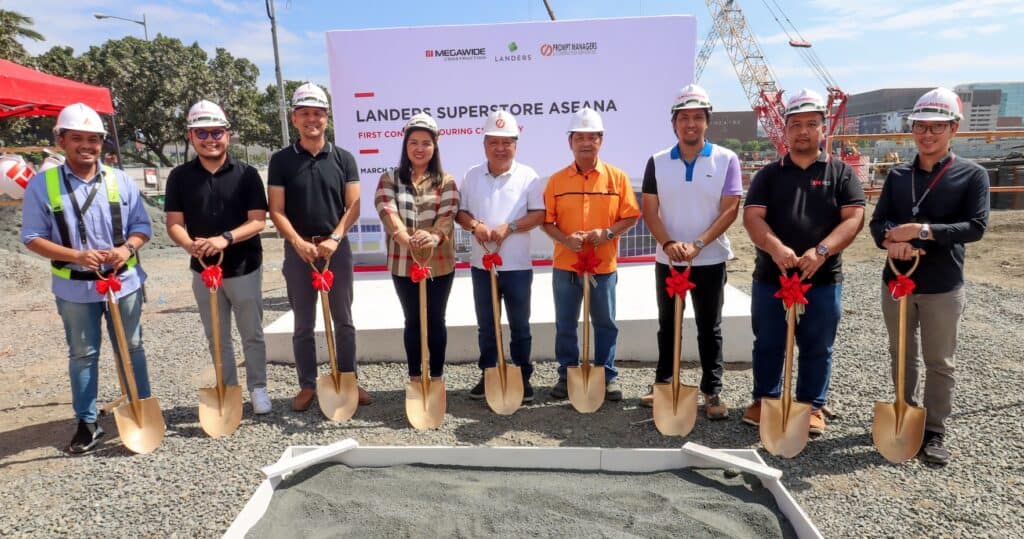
x: 445, y: 221
x: 137, y: 221
x: 36, y: 220
x: 384, y: 200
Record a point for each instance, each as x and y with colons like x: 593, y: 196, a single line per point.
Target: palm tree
x: 15, y: 26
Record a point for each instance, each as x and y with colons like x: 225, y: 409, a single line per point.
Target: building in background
x: 981, y: 109
x: 1011, y: 100
x: 881, y: 111
x: 740, y: 125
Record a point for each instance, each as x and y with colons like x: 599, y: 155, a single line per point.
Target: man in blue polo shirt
x: 88, y: 218
x: 691, y: 195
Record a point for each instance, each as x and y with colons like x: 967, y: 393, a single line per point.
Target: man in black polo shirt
x: 800, y: 212
x: 216, y: 204
x: 314, y: 200
x: 935, y: 204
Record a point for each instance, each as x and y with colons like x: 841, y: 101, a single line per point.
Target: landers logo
x: 567, y: 49
x: 457, y: 54
x: 514, y: 55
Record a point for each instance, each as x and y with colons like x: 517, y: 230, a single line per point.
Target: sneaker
x: 86, y: 438
x: 817, y: 422
x: 560, y: 391
x: 260, y: 400
x: 612, y: 391
x: 527, y: 391
x: 647, y: 401
x: 753, y: 414
x: 933, y: 451
x: 478, y: 391
x: 715, y: 408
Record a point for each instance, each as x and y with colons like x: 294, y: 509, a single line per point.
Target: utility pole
x: 277, y: 70
x: 551, y: 13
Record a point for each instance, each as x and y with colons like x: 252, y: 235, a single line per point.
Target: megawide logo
x: 568, y: 49
x: 457, y: 54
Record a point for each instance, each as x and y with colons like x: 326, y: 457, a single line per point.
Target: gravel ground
x: 193, y: 486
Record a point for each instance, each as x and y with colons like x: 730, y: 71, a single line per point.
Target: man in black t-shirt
x: 217, y: 205
x: 800, y: 212
x: 314, y: 200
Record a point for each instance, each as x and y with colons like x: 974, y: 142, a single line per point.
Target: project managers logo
x: 567, y: 49
x: 457, y: 54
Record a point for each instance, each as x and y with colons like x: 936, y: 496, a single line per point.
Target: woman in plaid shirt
x: 417, y: 203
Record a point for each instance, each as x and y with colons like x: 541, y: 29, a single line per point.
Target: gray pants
x: 243, y: 297
x: 932, y: 321
x: 302, y: 298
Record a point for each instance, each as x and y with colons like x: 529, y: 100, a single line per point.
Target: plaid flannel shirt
x: 431, y: 205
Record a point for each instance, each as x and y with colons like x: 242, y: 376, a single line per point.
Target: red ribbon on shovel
x: 112, y: 283
x: 323, y: 280
x: 417, y: 272
x: 213, y: 276
x: 901, y: 286
x: 679, y: 282
x: 586, y: 262
x: 491, y: 260
x: 792, y: 290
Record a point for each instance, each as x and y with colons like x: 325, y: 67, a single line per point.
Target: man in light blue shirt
x: 88, y: 218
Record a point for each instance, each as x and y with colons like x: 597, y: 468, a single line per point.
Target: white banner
x: 627, y: 69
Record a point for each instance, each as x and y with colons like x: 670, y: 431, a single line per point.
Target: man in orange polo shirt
x: 588, y: 205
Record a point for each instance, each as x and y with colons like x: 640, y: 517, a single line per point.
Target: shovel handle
x: 917, y: 260
x: 424, y: 354
x: 496, y: 313
x: 123, y: 355
x: 677, y: 348
x: 220, y: 260
x: 787, y: 369
x: 585, y: 352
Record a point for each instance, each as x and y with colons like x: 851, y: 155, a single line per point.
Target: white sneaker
x: 260, y: 400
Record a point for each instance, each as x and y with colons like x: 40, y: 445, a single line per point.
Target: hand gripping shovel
x: 220, y: 406
x: 503, y: 385
x: 784, y: 421
x: 586, y: 383
x: 898, y: 428
x: 139, y: 421
x: 675, y: 405
x: 337, y: 392
x: 425, y: 401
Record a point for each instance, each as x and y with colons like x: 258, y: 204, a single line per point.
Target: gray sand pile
x: 334, y: 500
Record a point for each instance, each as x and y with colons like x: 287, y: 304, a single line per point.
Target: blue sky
x: 865, y: 44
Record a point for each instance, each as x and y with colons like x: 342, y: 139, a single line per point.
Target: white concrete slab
x: 378, y: 320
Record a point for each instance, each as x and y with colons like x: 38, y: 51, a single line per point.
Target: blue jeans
x: 514, y: 288
x: 82, y: 330
x: 815, y: 333
x: 568, y: 292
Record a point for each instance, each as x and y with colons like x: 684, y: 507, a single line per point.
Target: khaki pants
x: 932, y: 321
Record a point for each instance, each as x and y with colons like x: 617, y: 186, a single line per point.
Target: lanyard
x: 80, y: 211
x: 913, y: 185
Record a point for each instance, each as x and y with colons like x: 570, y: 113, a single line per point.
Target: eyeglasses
x: 935, y: 129
x: 202, y: 134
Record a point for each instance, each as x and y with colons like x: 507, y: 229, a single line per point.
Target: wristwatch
x: 926, y: 232
x: 228, y: 236
x: 610, y: 234
x: 335, y: 236
x: 698, y: 243
x: 822, y: 249
x: 513, y: 227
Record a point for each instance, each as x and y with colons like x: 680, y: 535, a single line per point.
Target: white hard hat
x: 79, y: 117
x: 309, y: 95
x: 207, y: 114
x: 938, y: 105
x: 421, y: 121
x: 806, y: 101
x: 14, y: 176
x: 692, y: 97
x: 586, y: 120
x: 501, y: 123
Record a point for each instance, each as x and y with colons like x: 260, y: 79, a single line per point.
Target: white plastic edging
x: 285, y: 466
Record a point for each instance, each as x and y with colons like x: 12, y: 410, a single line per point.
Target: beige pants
x: 932, y: 321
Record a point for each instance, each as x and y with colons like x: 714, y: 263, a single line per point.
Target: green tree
x: 13, y: 27
x: 752, y: 146
x: 233, y: 87
x: 733, y: 144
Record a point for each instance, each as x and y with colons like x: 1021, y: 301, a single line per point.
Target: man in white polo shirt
x: 691, y: 194
x: 500, y: 201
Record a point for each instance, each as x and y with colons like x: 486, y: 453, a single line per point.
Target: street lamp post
x: 282, y: 110
x: 145, y: 28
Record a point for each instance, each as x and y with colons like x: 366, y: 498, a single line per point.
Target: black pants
x: 438, y: 289
x: 707, y: 300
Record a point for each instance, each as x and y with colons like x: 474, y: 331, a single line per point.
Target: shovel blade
x: 675, y: 418
x: 142, y: 433
x: 586, y: 392
x: 338, y: 403
x: 781, y: 435
x: 504, y: 400
x: 220, y: 417
x: 425, y: 411
x: 898, y: 437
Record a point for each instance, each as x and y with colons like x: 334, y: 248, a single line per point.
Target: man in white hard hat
x: 313, y: 189
x: 933, y: 205
x: 801, y: 212
x: 588, y: 206
x: 216, y: 206
x: 89, y: 219
x: 691, y: 195
x: 500, y: 201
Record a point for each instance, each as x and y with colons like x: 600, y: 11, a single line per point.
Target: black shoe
x: 933, y: 451
x: 477, y: 392
x: 527, y: 391
x: 86, y: 438
x: 560, y: 391
x: 612, y: 392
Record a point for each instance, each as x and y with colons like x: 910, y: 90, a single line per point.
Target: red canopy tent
x: 27, y: 92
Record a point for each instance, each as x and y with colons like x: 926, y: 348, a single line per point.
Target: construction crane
x: 729, y: 25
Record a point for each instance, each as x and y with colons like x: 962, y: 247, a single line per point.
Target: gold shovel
x: 220, y: 406
x: 426, y: 400
x: 898, y: 428
x: 503, y: 385
x: 139, y: 421
x: 585, y: 383
x: 675, y: 405
x: 784, y: 421
x: 337, y: 392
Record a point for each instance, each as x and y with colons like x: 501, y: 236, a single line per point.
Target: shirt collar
x: 509, y: 172
x: 704, y: 152
x: 599, y: 167
x: 228, y: 163
x: 942, y: 162
x: 328, y: 148
x: 787, y: 161
x: 69, y: 174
